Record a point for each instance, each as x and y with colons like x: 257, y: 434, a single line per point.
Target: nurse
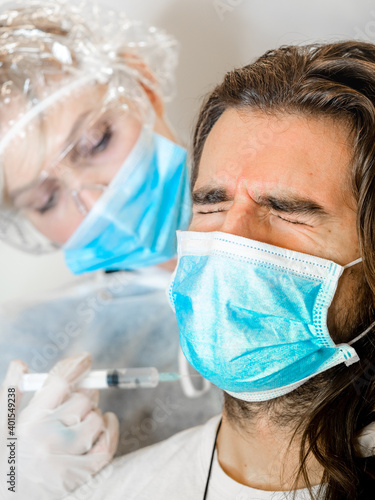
x: 90, y: 166
x: 82, y: 125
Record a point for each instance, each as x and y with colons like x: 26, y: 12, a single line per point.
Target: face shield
x: 61, y: 157
x: 73, y: 110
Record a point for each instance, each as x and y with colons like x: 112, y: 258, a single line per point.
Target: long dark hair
x: 336, y: 81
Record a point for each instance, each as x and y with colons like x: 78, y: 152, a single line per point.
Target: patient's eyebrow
x: 284, y: 203
x: 292, y: 204
x: 211, y: 196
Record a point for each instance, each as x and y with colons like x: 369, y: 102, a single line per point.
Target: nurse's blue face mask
x: 134, y: 222
x: 252, y: 316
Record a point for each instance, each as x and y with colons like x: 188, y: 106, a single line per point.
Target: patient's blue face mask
x: 134, y: 222
x: 252, y: 316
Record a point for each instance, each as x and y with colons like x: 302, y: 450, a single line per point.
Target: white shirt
x: 175, y: 469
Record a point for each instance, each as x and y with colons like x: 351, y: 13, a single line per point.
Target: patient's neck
x: 258, y: 453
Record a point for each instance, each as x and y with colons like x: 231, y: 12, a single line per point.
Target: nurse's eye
x: 50, y: 203
x: 103, y: 141
x: 46, y: 196
x: 93, y: 142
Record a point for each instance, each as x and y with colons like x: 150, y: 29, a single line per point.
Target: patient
x: 274, y: 288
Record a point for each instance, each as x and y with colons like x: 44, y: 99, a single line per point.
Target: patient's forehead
x: 305, y: 154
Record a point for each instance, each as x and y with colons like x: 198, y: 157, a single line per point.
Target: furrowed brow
x: 210, y: 196
x: 293, y: 205
x: 287, y: 204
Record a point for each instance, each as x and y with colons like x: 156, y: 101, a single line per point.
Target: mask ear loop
x: 357, y: 261
x: 361, y: 335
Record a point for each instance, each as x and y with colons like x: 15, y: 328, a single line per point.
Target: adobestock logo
x: 368, y: 33
x: 223, y: 7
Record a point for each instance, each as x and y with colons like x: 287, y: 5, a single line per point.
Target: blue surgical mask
x: 134, y: 222
x: 253, y: 317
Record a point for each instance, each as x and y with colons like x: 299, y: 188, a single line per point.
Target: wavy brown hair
x: 336, y: 81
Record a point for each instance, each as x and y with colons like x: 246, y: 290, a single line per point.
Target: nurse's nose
x: 85, y: 197
x: 243, y: 218
x: 84, y: 188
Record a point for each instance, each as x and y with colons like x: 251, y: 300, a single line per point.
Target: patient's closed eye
x: 207, y: 212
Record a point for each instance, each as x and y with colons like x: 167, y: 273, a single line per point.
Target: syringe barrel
x: 124, y: 378
x: 133, y: 378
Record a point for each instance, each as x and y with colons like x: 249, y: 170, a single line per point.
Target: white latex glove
x: 62, y: 438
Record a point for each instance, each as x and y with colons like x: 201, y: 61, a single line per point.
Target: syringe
x: 122, y: 378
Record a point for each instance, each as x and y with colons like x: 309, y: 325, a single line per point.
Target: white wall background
x: 215, y: 36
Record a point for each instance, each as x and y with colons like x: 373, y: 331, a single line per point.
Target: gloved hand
x: 62, y: 438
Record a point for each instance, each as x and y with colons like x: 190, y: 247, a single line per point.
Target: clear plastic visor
x: 61, y: 162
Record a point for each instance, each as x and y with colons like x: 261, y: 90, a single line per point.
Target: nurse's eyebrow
x: 287, y: 204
